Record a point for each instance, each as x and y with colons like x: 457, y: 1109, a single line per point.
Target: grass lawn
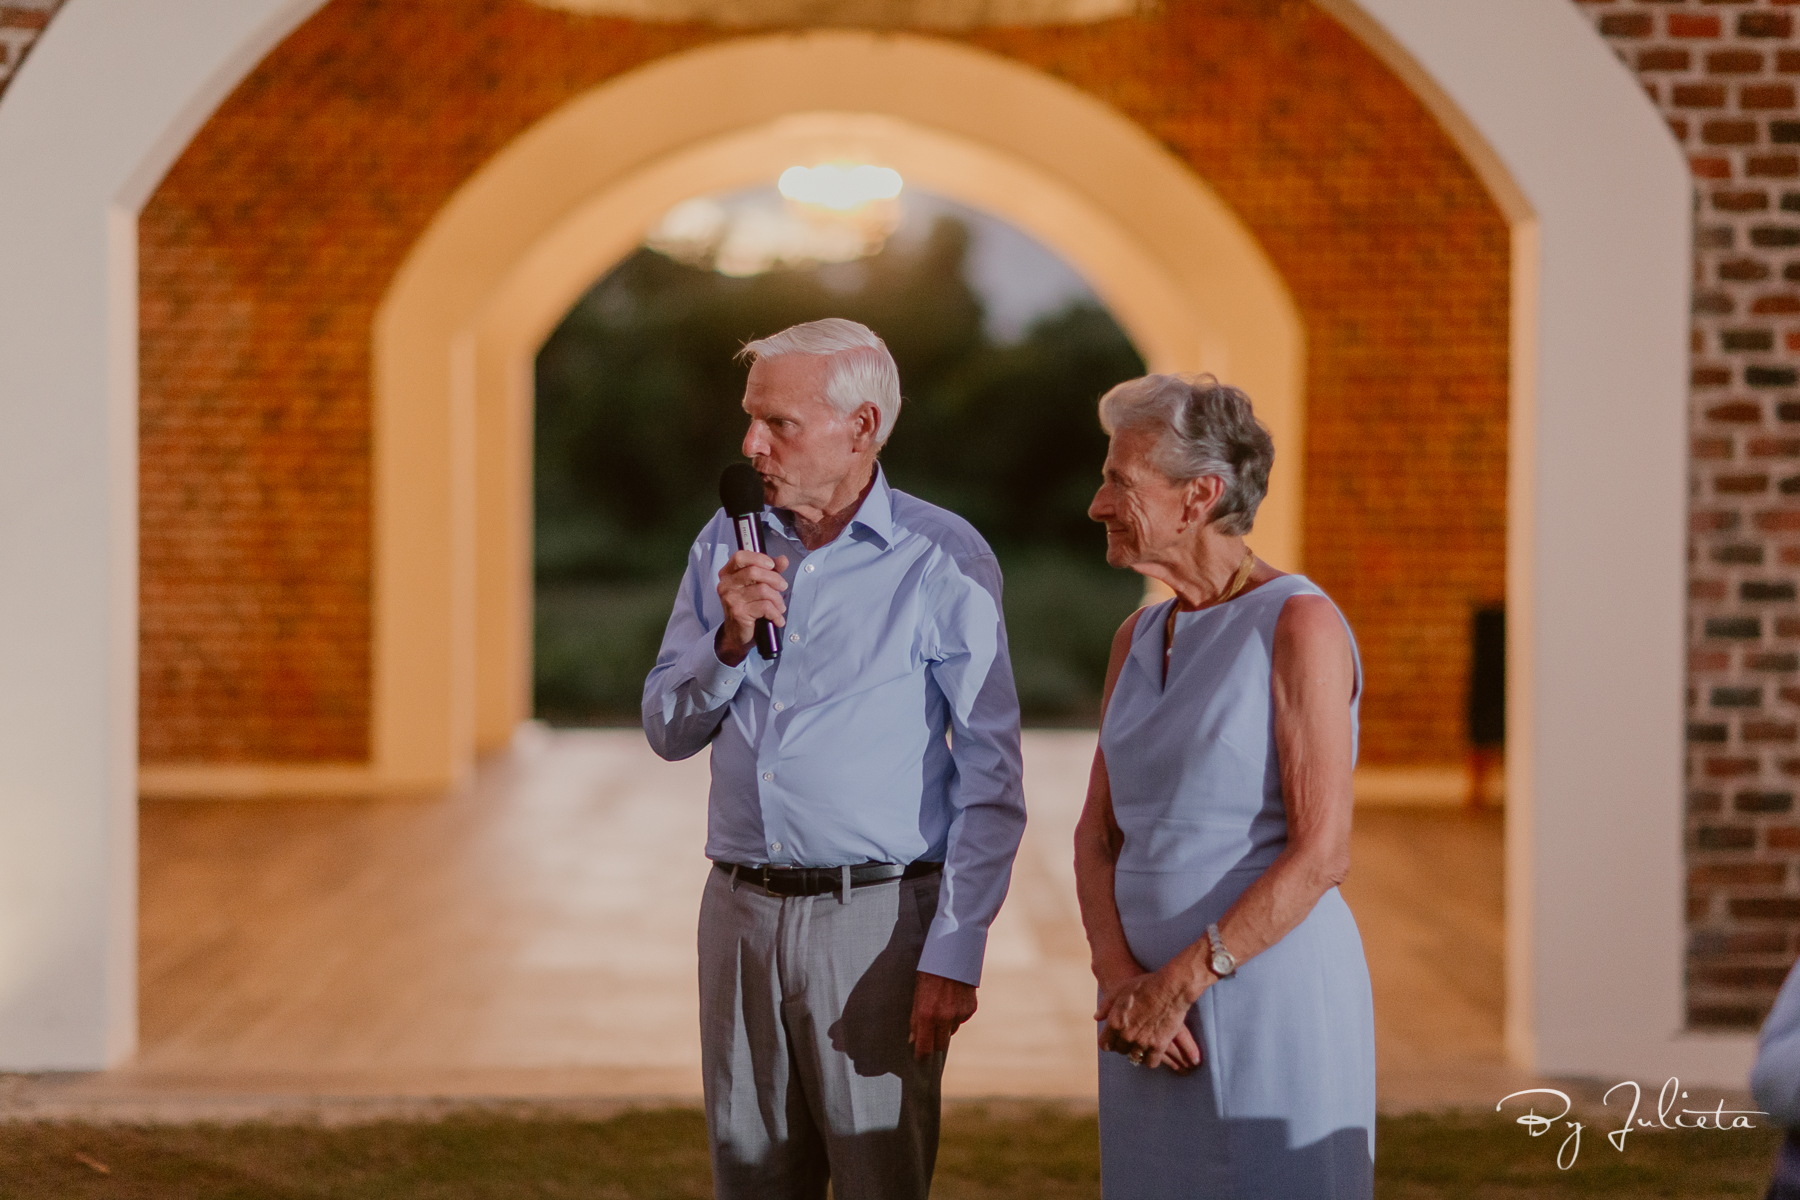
x: 1023, y: 1152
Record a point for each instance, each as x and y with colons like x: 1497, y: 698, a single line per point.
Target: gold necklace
x: 1238, y: 581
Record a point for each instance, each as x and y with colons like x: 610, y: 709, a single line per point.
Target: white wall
x: 110, y: 94
x: 116, y: 87
x: 1600, y: 200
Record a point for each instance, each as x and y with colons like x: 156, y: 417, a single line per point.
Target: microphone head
x: 740, y: 490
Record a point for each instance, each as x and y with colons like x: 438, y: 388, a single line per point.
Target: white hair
x: 861, y: 372
x: 1202, y: 427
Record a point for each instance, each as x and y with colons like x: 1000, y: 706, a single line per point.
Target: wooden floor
x: 533, y: 936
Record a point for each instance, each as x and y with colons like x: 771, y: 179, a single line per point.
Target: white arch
x: 1598, y: 427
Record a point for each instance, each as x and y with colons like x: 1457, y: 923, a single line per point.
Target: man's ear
x: 865, y: 423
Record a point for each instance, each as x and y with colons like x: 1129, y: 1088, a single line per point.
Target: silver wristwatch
x: 1222, y: 963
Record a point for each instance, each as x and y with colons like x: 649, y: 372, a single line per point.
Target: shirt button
x: 793, y: 637
x: 809, y: 568
x: 774, y: 847
x: 779, y: 706
x: 768, y: 775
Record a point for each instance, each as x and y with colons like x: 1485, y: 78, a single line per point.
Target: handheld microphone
x: 741, y: 492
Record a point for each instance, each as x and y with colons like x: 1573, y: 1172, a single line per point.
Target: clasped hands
x: 1144, y: 1017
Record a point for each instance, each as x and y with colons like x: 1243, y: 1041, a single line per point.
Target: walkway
x: 532, y: 937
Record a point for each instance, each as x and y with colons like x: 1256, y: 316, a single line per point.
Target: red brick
x: 1735, y: 412
x: 1730, y: 768
x: 1765, y: 25
x: 1762, y: 732
x: 1715, y: 874
x: 1633, y: 25
x: 1712, y: 447
x: 1742, y: 270
x: 1741, y: 485
x: 1740, y: 201
x: 1710, y: 167
x: 1772, y: 166
x: 1776, y: 305
x: 1778, y: 521
x: 1767, y: 447
x: 1728, y: 133
x: 14, y: 17
x: 1688, y: 25
x: 1787, y: 61
x: 1664, y: 58
x: 1699, y: 95
x: 1735, y: 62
x: 1765, y: 96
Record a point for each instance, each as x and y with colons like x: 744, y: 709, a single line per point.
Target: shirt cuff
x: 954, y: 953
x: 716, y: 680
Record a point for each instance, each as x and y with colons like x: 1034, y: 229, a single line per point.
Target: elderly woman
x: 1234, y: 998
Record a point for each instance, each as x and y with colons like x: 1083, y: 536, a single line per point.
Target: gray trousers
x: 805, y: 1006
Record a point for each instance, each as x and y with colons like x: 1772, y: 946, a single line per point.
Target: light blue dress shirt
x: 888, y: 728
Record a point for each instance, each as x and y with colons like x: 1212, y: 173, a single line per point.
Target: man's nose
x: 1101, y: 508
x: 754, y: 444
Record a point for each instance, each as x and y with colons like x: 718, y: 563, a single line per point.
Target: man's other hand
x: 939, y: 1006
x: 750, y: 586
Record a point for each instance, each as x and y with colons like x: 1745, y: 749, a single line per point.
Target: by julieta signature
x: 1667, y: 1116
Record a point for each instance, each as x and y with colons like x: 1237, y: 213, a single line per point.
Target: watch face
x: 1221, y: 963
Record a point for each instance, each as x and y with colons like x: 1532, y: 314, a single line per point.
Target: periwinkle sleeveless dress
x: 1284, y: 1105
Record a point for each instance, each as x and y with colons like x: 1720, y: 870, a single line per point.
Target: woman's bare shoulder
x: 1122, y: 638
x: 1309, y: 628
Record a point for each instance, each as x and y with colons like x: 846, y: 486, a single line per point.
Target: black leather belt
x: 820, y: 881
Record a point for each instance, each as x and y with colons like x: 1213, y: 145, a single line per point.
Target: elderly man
x: 865, y: 803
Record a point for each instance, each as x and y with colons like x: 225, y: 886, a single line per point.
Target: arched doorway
x: 505, y: 258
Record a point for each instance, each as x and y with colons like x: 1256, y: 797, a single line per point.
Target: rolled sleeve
x: 971, y: 667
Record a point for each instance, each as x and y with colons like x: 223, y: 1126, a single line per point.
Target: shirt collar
x: 875, y: 513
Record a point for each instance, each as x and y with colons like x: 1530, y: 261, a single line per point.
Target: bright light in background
x: 840, y: 186
x: 758, y: 229
x: 831, y: 213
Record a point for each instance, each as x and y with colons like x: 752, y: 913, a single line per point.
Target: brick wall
x: 1724, y: 73
x: 21, y: 21
x: 267, y: 247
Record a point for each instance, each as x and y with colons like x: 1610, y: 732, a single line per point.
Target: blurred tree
x: 638, y: 408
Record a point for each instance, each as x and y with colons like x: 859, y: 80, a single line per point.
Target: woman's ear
x: 1199, y: 497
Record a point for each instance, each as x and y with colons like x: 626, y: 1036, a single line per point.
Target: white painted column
x: 109, y: 96
x: 1599, y: 196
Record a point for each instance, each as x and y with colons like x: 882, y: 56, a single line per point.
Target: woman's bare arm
x: 1097, y: 844
x: 1313, y: 683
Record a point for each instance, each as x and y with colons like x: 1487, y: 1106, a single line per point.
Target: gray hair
x: 861, y: 372
x: 1203, y: 427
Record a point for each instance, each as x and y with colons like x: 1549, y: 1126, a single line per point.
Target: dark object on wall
x: 1487, y: 699
x: 1487, y: 678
